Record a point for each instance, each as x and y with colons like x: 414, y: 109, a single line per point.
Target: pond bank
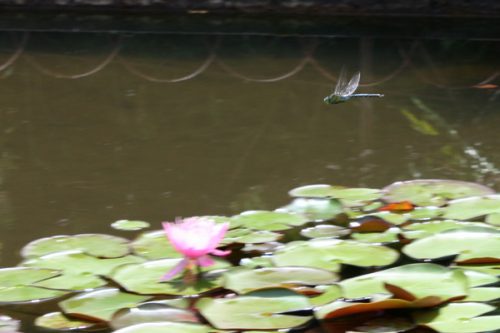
x: 286, y: 7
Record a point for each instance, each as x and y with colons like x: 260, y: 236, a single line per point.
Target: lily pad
x: 129, y: 225
x: 15, y: 276
x: 424, y: 229
x: 432, y: 192
x: 493, y: 219
x: 73, y: 282
x: 483, y: 294
x: 424, y: 213
x: 459, y: 318
x: 471, y: 244
x: 75, y: 262
x: 469, y: 208
x: 271, y: 221
x: 149, y: 313
x: 27, y: 294
x: 246, y: 280
x: 348, y: 196
x: 386, y: 237
x: 100, y: 304
x: 263, y: 312
x: 257, y: 262
x: 412, y: 282
x: 145, y: 278
x: 170, y: 327
x: 154, y: 245
x: 314, y: 209
x: 98, y: 245
x: 325, y: 230
x: 56, y: 321
x: 248, y: 236
x: 8, y: 324
x: 329, y: 294
x: 330, y: 253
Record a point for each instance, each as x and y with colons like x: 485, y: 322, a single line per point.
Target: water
x: 101, y: 126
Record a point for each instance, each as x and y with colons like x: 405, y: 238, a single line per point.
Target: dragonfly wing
x: 352, y: 85
x: 341, y: 83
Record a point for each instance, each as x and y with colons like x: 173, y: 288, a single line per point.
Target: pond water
x: 101, y: 126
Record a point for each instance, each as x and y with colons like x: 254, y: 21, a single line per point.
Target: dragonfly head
x: 333, y: 99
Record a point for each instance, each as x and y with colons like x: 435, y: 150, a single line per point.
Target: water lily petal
x: 220, y: 253
x: 176, y: 270
x: 205, y: 261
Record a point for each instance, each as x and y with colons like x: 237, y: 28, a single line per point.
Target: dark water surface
x: 96, y: 127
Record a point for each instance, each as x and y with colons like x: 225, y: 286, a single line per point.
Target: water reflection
x: 98, y: 127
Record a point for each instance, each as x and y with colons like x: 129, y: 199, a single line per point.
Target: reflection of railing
x: 407, y: 57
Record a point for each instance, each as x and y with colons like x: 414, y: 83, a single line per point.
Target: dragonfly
x: 344, y: 90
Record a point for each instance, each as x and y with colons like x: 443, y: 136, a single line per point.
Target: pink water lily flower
x: 196, y: 238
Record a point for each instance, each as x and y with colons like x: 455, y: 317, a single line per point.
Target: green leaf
x: 254, y: 312
x: 145, y: 278
x: 469, y: 208
x: 100, y: 304
x: 247, y: 236
x: 469, y: 243
x: 459, y: 318
x: 56, y: 321
x: 24, y: 294
x: 325, y: 230
x: 73, y: 282
x: 314, y: 209
x: 98, y: 245
x: 419, y: 280
x: 271, y: 221
x: 16, y: 276
x: 432, y: 192
x: 154, y: 245
x: 421, y: 230
x: 246, y: 280
x: 163, y: 327
x: 75, y: 262
x: 149, y: 313
x: 129, y: 225
x: 330, y: 253
x: 348, y: 196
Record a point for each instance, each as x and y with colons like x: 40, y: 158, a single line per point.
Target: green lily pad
x: 75, y: 262
x: 325, y: 230
x: 8, y: 324
x: 98, y: 245
x: 257, y: 262
x: 144, y: 278
x: 424, y: 213
x: 459, y: 318
x: 271, y: 221
x: 432, y: 192
x: 248, y: 236
x: 170, y: 327
x: 476, y: 278
x: 493, y: 219
x: 150, y: 313
x: 262, y: 312
x: 56, y: 321
x: 388, y: 236
x: 154, y: 245
x: 416, y: 281
x: 348, y: 196
x: 329, y: 294
x: 100, y: 304
x: 330, y: 253
x: 129, y: 225
x: 493, y: 269
x: 469, y: 208
x: 424, y: 229
x: 393, y: 218
x: 483, y: 294
x: 73, y: 282
x: 27, y: 294
x: 314, y: 209
x: 16, y: 276
x: 246, y: 280
x: 471, y: 244
x: 181, y: 302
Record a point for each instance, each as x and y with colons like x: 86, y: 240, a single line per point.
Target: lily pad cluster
x: 415, y: 256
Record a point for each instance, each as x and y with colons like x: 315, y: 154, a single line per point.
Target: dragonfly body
x: 344, y: 90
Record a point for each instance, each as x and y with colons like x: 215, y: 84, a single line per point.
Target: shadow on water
x: 97, y: 127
